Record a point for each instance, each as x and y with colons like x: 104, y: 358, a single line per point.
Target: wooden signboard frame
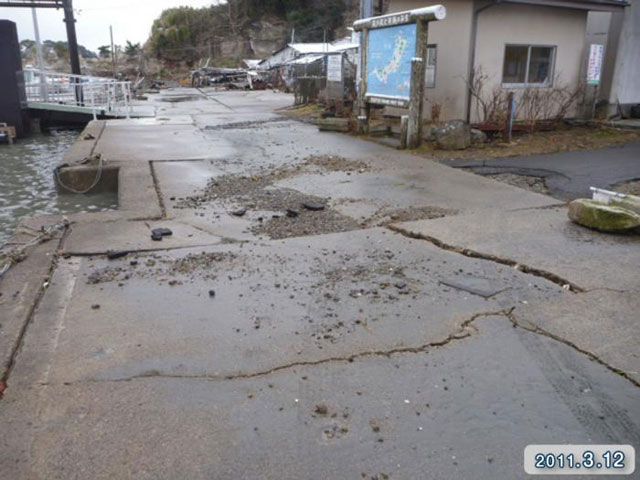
x: 411, y: 131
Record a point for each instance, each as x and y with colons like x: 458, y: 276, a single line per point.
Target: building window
x: 430, y: 73
x: 528, y: 66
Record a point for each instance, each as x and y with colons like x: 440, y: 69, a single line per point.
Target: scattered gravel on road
x: 205, y: 265
x: 281, y: 213
x: 527, y: 182
x: 629, y: 188
x: 410, y: 214
x: 242, y: 188
x: 283, y: 210
x: 306, y: 223
x: 334, y: 163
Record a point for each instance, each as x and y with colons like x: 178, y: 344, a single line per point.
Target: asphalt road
x: 569, y: 175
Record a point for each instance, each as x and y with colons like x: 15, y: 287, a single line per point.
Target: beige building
x: 516, y: 45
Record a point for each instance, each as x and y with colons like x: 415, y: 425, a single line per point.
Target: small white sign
x: 594, y: 70
x: 334, y: 68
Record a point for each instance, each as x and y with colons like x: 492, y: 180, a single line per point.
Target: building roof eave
x: 592, y: 5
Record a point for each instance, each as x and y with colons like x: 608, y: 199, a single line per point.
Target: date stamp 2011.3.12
x: 579, y: 459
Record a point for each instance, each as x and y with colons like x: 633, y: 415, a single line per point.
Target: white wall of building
x: 501, y: 24
x: 625, y: 86
x: 532, y: 25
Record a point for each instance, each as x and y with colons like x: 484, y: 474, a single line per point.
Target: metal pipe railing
x: 103, y: 94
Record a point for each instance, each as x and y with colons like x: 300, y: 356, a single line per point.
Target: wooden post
x: 414, y: 134
x: 404, y: 130
x: 367, y: 119
x: 416, y: 98
x: 365, y: 108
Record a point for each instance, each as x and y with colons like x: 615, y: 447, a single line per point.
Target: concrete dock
x: 325, y: 308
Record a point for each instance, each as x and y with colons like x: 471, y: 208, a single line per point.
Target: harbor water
x: 27, y: 185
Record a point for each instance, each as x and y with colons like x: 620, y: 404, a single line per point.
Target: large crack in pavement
x: 533, y: 328
x: 466, y: 329
x: 536, y: 272
x: 509, y: 314
x: 156, y: 185
x: 544, y: 207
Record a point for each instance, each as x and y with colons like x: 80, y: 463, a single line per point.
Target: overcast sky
x: 131, y: 20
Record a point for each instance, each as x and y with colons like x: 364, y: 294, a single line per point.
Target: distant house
x: 251, y: 64
x: 515, y: 45
x: 619, y: 32
x: 282, y: 63
x: 294, y: 51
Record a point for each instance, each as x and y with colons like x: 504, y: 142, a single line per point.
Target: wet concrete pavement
x: 379, y: 341
x: 569, y: 175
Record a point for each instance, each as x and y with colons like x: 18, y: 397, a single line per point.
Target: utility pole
x: 70, y: 22
x: 43, y: 80
x: 113, y: 51
x: 293, y: 35
x: 366, y: 8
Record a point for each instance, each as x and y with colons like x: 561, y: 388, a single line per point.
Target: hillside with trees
x: 53, y: 53
x: 130, y: 58
x: 225, y: 33
x: 239, y: 29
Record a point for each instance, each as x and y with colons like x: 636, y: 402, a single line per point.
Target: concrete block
x: 334, y: 125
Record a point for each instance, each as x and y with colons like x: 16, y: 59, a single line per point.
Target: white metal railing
x: 104, y: 96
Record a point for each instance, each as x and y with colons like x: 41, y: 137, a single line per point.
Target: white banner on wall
x: 594, y: 70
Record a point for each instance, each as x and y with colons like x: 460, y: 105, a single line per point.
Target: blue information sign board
x: 389, y: 55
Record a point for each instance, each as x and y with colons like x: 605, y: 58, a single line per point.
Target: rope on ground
x: 10, y: 256
x: 93, y: 184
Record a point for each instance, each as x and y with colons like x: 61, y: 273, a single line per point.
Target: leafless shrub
x: 490, y: 104
x: 534, y: 105
x: 547, y: 105
x: 436, y: 110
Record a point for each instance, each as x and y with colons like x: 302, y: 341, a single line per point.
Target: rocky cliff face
x: 239, y: 29
x: 267, y: 36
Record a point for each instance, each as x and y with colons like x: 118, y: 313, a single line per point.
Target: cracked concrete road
x: 427, y: 323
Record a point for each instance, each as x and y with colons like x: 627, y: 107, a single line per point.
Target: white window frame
x: 434, y: 46
x: 526, y: 84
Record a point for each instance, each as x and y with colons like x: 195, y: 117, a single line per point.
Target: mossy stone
x: 605, y: 218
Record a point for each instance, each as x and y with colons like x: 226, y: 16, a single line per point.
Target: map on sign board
x: 389, y: 55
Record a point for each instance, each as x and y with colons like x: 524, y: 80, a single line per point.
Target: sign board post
x: 394, y: 51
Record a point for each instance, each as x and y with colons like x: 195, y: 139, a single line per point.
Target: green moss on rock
x: 630, y: 202
x: 605, y: 218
